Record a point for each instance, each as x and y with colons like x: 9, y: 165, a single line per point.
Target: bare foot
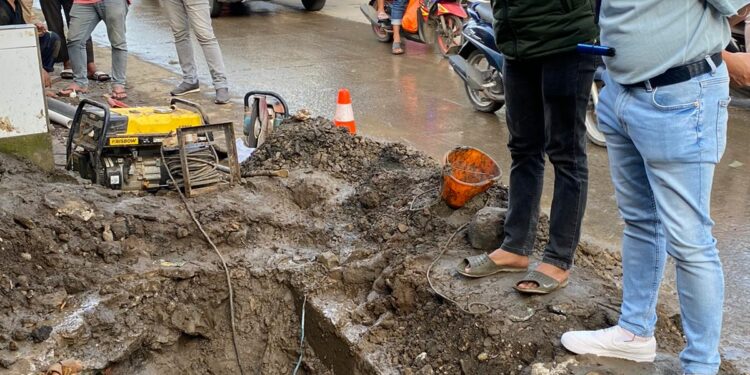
x: 554, y: 272
x: 505, y: 258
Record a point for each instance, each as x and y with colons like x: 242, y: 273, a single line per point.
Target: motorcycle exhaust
x: 370, y: 13
x: 468, y: 73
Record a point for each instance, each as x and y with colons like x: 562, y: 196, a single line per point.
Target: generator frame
x: 231, y: 148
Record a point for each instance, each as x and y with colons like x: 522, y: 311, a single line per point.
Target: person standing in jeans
x: 547, y: 87
x: 84, y: 16
x: 53, y: 11
x: 195, y: 15
x: 664, y: 114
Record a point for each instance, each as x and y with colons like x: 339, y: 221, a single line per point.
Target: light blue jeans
x: 83, y: 21
x: 663, y: 146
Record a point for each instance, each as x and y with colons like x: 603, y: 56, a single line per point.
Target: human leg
x: 114, y: 14
x: 566, y: 85
x: 83, y: 20
x: 682, y: 135
x: 52, y: 10
x: 199, y: 18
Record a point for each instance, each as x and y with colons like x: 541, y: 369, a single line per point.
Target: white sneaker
x: 611, y: 342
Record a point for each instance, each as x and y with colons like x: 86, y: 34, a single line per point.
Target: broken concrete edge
x: 36, y: 148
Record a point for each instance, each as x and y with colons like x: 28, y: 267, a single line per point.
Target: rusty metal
x: 208, y: 131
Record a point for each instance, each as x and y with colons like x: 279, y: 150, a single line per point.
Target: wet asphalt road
x: 416, y: 99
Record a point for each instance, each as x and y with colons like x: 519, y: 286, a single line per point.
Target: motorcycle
x: 592, y: 123
x: 480, y: 65
x: 438, y: 22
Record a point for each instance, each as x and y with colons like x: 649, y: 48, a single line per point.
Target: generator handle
x: 267, y: 93
x: 192, y: 105
x: 75, y: 127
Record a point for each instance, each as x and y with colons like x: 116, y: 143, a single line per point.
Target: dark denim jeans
x: 49, y: 48
x: 546, y: 100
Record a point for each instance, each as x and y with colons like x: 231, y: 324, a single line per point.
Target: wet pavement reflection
x: 418, y: 100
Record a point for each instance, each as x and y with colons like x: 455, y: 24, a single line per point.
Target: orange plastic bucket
x: 466, y: 173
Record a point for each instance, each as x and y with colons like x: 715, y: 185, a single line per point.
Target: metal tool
x: 265, y: 113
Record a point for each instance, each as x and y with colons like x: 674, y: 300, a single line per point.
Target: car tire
x: 216, y: 8
x: 313, y: 5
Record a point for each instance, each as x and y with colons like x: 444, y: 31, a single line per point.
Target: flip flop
x: 482, y: 266
x: 72, y: 89
x: 99, y: 76
x: 382, y: 16
x: 545, y: 284
x: 118, y: 93
x: 66, y: 74
x: 397, y: 49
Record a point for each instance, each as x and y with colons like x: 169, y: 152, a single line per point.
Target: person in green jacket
x: 547, y: 86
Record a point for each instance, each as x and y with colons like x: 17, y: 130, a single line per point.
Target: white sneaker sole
x: 577, y: 347
x: 187, y: 92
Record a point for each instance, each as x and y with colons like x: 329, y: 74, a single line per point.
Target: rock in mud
x: 486, y: 228
x: 40, y: 334
x: 7, y: 360
x: 328, y: 259
x: 107, y: 234
x: 190, y: 321
x: 120, y: 229
x: 23, y: 221
x: 109, y: 251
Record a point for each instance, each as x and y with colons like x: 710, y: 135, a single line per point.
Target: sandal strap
x: 544, y: 281
x: 476, y: 261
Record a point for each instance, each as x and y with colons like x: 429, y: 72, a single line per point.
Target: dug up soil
x: 126, y: 283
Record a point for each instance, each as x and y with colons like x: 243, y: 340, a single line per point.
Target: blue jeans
x: 83, y: 21
x: 546, y: 100
x: 49, y: 48
x: 663, y: 146
x: 398, y: 7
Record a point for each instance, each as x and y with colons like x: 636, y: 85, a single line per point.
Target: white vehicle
x: 217, y: 5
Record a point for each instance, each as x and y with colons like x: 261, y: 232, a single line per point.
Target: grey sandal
x: 545, y: 284
x: 482, y: 265
x: 397, y: 49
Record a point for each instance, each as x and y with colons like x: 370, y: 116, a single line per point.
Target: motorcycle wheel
x: 592, y: 130
x: 449, y: 36
x: 381, y: 34
x: 478, y: 99
x: 313, y: 5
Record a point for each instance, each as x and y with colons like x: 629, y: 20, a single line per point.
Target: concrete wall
x: 23, y: 109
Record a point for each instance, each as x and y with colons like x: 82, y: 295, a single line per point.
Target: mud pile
x: 126, y: 283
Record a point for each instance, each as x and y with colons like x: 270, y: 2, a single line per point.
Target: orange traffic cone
x: 344, y: 116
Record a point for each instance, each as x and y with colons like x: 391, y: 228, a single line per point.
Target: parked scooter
x: 438, y: 22
x: 480, y: 65
x: 478, y: 62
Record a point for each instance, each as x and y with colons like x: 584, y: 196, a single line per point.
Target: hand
x: 738, y: 65
x: 41, y: 28
x: 45, y: 79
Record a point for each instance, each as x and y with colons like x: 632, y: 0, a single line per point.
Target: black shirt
x: 10, y: 16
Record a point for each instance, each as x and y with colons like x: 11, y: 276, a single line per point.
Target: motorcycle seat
x: 485, y: 12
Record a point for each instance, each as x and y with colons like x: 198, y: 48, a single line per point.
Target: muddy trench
x: 126, y: 283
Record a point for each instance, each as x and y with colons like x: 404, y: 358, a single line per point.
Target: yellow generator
x: 120, y: 148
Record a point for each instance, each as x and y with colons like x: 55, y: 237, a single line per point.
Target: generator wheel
x: 313, y: 5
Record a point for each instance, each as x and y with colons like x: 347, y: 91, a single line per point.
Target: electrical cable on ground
x: 221, y: 257
x: 301, y: 338
x: 468, y: 309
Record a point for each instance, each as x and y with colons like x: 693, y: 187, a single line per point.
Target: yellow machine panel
x: 157, y: 120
